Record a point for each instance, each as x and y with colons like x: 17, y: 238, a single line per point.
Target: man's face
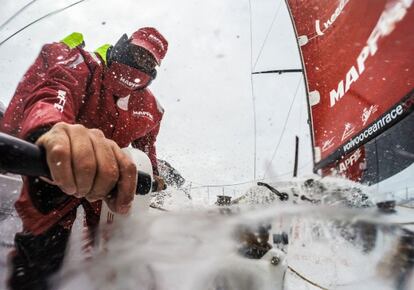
x: 143, y: 58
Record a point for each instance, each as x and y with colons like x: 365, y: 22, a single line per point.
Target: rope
x: 17, y: 13
x: 252, y: 90
x: 223, y: 185
x: 306, y: 279
x: 279, y: 71
x: 284, y: 128
x: 267, y: 35
x: 39, y: 19
x: 247, y: 182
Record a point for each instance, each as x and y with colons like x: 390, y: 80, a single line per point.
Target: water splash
x: 335, y: 247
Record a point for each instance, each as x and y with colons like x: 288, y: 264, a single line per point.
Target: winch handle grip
x: 20, y: 157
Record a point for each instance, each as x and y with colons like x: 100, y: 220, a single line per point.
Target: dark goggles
x: 123, y: 52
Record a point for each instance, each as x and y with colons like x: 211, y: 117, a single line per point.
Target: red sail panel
x: 351, y: 166
x: 358, y: 58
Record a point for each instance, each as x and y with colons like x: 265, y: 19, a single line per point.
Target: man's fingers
x: 83, y: 159
x: 107, y: 171
x: 58, y: 154
x: 84, y: 163
x: 127, y: 182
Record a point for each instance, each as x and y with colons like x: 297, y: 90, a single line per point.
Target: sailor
x: 81, y: 107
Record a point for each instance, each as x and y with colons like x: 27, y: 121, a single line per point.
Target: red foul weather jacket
x: 67, y: 84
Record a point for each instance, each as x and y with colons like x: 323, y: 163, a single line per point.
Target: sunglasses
x: 134, y: 56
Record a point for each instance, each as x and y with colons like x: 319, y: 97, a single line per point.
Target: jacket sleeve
x: 53, y: 88
x: 147, y: 145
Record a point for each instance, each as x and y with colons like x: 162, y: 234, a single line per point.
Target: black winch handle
x: 282, y: 195
x: 23, y: 158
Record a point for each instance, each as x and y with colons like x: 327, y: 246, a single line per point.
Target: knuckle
x: 87, y: 167
x: 78, y: 127
x: 52, y: 138
x: 112, y: 143
x: 97, y: 132
x: 58, y: 152
x: 60, y: 126
x: 131, y: 169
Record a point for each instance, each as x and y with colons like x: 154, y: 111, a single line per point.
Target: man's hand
x: 84, y: 163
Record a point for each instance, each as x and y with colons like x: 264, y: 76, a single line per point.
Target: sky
x: 221, y: 125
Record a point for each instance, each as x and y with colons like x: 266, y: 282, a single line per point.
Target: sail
x: 358, y: 63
